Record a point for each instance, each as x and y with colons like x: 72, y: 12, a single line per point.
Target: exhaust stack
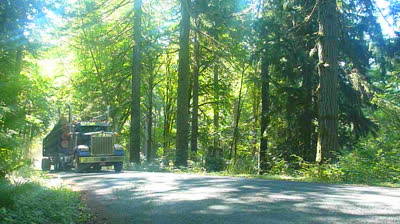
x: 108, y: 114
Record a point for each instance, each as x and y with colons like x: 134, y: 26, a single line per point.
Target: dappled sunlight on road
x: 131, y: 197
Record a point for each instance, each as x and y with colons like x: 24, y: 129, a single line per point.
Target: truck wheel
x: 79, y: 167
x: 57, y: 164
x: 96, y: 168
x: 67, y: 168
x: 46, y: 164
x: 118, y: 167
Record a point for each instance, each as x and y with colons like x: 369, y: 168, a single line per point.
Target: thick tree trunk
x: 263, y: 158
x: 136, y: 70
x: 328, y: 80
x: 195, y: 97
x: 182, y: 117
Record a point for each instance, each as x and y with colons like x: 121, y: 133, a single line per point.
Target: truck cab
x: 95, y: 146
x: 86, y: 145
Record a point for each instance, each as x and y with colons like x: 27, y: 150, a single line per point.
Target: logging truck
x: 84, y: 146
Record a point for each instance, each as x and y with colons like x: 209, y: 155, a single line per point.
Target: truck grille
x: 102, y: 145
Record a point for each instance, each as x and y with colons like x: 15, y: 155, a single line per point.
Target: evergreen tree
x: 182, y: 117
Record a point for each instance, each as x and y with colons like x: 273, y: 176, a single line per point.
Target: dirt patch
x: 96, y: 212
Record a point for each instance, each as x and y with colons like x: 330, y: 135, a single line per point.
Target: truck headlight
x: 83, y: 148
x: 118, y: 147
x: 118, y: 150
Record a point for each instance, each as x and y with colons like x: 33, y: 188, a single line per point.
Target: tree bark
x: 150, y: 120
x: 169, y: 104
x: 236, y: 118
x: 195, y: 97
x: 328, y: 80
x: 182, y: 117
x: 308, y: 151
x: 263, y: 158
x: 136, y: 72
x: 216, y: 106
x: 216, y: 90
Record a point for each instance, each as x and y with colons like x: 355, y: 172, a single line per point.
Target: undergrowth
x: 364, y: 165
x: 32, y: 202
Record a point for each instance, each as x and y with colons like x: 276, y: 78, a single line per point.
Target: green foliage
x: 279, y: 166
x: 33, y: 203
x: 243, y: 165
x: 326, y: 172
x: 23, y: 119
x: 371, y: 162
x: 24, y: 97
x: 11, y: 159
x: 214, y: 163
x: 371, y: 165
x: 376, y: 159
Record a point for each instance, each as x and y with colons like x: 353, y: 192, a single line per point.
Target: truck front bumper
x: 101, y: 159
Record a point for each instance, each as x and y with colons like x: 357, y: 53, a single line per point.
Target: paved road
x: 141, y: 197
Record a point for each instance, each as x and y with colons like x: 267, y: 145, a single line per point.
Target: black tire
x: 79, y: 167
x: 118, y: 167
x: 96, y: 168
x: 57, y: 164
x: 46, y: 164
x: 67, y: 168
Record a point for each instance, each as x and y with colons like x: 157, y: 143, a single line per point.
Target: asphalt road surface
x: 167, y: 198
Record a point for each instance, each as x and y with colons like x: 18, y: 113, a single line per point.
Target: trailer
x: 84, y: 146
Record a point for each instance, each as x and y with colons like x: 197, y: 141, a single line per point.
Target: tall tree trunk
x: 256, y: 113
x: 308, y: 151
x: 263, y: 157
x: 182, y: 117
x: 328, y: 80
x: 150, y: 120
x: 216, y: 106
x: 195, y: 97
x: 216, y: 89
x: 237, y: 112
x: 136, y: 71
x: 167, y: 124
x: 169, y: 104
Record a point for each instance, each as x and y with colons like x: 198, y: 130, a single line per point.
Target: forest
x: 279, y: 87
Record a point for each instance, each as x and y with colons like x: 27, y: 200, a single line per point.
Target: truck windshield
x: 85, y: 139
x: 86, y: 129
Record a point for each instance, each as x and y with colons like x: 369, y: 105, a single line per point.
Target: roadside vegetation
x: 27, y: 197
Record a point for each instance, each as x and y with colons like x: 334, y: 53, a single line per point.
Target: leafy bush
x: 33, y: 203
x: 279, y: 167
x: 376, y: 159
x: 370, y: 162
x: 324, y: 172
x: 371, y: 165
x: 214, y: 163
x: 10, y: 158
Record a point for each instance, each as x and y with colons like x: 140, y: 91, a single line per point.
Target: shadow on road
x: 137, y: 197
